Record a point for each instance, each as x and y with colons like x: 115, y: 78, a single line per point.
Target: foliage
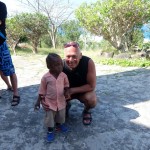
x: 113, y: 19
x: 71, y: 30
x: 125, y: 62
x: 46, y: 42
x: 106, y: 46
x: 14, y: 31
x: 35, y: 25
x: 146, y: 46
x: 57, y: 12
x: 88, y: 40
x: 137, y: 37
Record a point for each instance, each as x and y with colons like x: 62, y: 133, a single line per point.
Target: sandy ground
x: 121, y: 119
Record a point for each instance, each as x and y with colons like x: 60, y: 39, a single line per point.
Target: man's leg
x: 68, y: 106
x: 89, y: 100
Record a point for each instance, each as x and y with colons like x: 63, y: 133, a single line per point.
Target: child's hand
x: 37, y: 106
x: 67, y: 93
x: 44, y: 104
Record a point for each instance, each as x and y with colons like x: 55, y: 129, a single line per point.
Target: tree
x: 113, y: 19
x: 35, y: 25
x: 134, y: 38
x: 57, y: 12
x: 14, y: 31
x: 71, y: 30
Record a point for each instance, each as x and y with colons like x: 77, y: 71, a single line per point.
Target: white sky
x: 13, y: 6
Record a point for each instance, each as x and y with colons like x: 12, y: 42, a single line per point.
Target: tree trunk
x: 14, y: 49
x: 13, y: 46
x: 117, y: 44
x: 52, y: 34
x: 35, y: 45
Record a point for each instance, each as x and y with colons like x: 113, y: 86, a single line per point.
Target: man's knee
x: 90, y: 99
x: 92, y: 102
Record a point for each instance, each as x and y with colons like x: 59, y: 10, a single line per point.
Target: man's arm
x: 91, y: 80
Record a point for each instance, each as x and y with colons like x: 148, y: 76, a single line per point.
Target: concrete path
x: 121, y: 119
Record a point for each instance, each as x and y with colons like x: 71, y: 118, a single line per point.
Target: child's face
x: 56, y: 66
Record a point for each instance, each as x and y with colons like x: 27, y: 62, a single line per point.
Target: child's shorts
x: 6, y: 65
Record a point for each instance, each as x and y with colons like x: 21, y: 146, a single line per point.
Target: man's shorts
x: 6, y: 65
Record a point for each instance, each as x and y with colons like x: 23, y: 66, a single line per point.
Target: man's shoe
x: 50, y: 136
x: 87, y: 117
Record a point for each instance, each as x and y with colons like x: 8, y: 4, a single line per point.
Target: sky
x: 146, y: 30
x: 13, y: 6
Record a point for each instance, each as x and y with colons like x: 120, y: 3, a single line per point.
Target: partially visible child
x: 6, y: 80
x: 6, y: 64
x: 53, y: 92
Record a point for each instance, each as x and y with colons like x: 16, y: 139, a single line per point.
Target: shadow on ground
x: 120, y: 121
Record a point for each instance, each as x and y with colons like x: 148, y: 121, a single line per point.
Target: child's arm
x: 41, y: 99
x: 67, y: 93
x: 37, y: 104
x: 66, y: 88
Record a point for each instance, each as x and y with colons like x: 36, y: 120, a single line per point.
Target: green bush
x: 125, y: 62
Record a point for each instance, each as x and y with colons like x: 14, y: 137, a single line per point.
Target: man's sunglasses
x: 76, y: 45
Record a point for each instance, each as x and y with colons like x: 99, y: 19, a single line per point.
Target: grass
x: 93, y: 54
x: 125, y: 62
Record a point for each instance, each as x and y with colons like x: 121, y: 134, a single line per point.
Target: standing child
x: 6, y: 64
x: 53, y: 92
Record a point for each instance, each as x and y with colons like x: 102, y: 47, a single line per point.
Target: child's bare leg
x: 6, y: 80
x: 14, y: 82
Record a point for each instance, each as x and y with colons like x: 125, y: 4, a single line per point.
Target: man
x: 82, y: 77
x: 6, y: 65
